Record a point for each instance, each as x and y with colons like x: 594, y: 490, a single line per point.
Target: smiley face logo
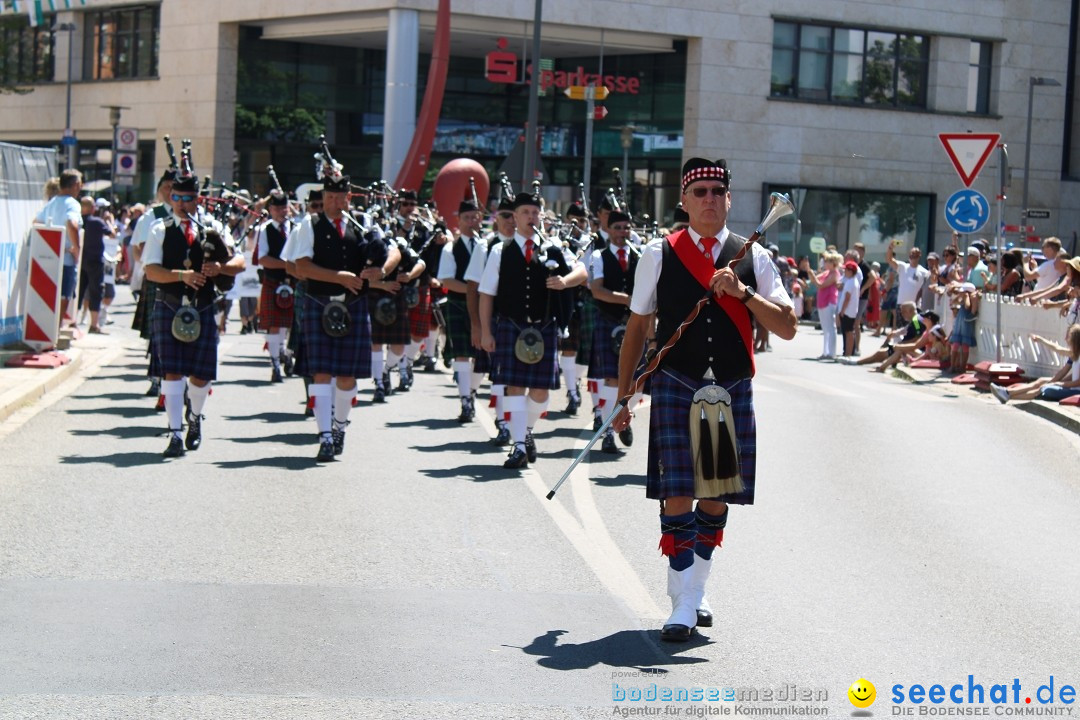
x: 862, y: 693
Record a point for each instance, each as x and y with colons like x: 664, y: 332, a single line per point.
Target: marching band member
x: 708, y: 370
x: 574, y: 345
x: 276, y: 303
x: 177, y: 259
x: 518, y: 287
x: 456, y: 258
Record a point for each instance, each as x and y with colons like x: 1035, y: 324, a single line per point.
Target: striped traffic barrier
x: 41, y: 323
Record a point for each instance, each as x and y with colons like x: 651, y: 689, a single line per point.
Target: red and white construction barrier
x: 42, y: 320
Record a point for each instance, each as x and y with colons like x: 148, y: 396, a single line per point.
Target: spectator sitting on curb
x: 931, y: 344
x: 912, y: 328
x: 1065, y: 382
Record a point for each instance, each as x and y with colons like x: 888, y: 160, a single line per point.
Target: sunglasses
x: 183, y: 198
x: 620, y: 227
x: 506, y: 215
x: 700, y: 192
x: 406, y: 205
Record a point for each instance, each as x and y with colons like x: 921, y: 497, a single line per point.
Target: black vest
x: 174, y: 251
x: 617, y: 281
x: 712, y: 340
x: 333, y: 252
x: 523, y: 295
x: 275, y: 242
x: 462, y: 256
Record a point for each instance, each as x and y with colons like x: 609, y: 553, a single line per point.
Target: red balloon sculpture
x: 452, y: 186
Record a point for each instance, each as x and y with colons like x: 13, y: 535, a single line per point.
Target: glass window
x: 849, y: 65
x: 122, y: 43
x: 979, y: 78
x: 26, y: 53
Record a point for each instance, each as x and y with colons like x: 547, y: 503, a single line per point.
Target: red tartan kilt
x: 420, y: 316
x: 270, y: 315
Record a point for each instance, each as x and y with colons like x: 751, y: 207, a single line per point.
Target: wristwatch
x: 747, y: 294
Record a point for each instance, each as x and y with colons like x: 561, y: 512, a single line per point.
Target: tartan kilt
x: 194, y: 359
x: 458, y: 330
x: 587, y: 313
x: 482, y: 362
x: 396, y: 334
x: 420, y: 316
x: 144, y: 309
x: 343, y: 357
x: 512, y: 372
x: 296, y: 334
x: 153, y: 370
x: 572, y: 341
x: 669, y: 436
x: 270, y: 315
x: 605, y: 361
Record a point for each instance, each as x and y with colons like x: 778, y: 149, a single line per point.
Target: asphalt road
x: 900, y: 534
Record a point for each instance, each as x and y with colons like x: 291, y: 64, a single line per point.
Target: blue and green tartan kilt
x: 153, y: 369
x: 512, y: 372
x: 343, y: 357
x: 458, y: 330
x: 482, y: 362
x: 397, y: 333
x: 605, y: 361
x: 587, y: 321
x: 671, y: 465
x: 144, y: 309
x: 963, y: 332
x: 572, y: 341
x: 196, y: 359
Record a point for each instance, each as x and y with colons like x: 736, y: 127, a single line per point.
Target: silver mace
x: 780, y: 205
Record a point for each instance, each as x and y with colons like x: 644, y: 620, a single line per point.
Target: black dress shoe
x: 388, y: 389
x: 516, y: 460
x: 627, y: 436
x: 326, y: 450
x: 287, y: 364
x: 337, y: 434
x: 704, y: 618
x: 676, y: 633
x: 309, y: 412
x: 572, y: 405
x: 597, y: 421
x: 467, y: 413
x: 194, y: 433
x: 530, y: 448
x: 426, y: 363
x: 503, y: 436
x: 275, y: 376
x: 154, y: 389
x: 380, y: 394
x: 175, y: 449
x: 608, y: 444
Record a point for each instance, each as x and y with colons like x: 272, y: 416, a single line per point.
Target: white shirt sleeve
x: 142, y: 228
x: 304, y: 237
x: 769, y: 284
x: 475, y: 271
x: 643, y: 301
x: 448, y: 263
x: 263, y: 243
x: 489, y: 283
x: 153, y: 249
x: 596, y: 261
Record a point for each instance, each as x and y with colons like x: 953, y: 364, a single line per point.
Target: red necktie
x: 622, y: 260
x: 340, y: 227
x: 528, y: 251
x: 708, y: 243
x: 188, y: 233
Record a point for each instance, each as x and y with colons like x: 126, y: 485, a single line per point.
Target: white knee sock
x: 463, y: 368
x: 594, y: 392
x: 392, y: 358
x: 274, y: 341
x: 323, y: 405
x: 499, y: 393
x: 411, y: 350
x: 173, y: 390
x: 432, y: 342
x: 343, y: 404
x: 378, y: 364
x: 519, y: 417
x: 477, y: 380
x: 197, y: 395
x: 609, y: 395
x: 569, y: 370
x: 536, y: 409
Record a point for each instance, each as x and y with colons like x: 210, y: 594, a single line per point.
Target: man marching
x: 456, y: 257
x: 612, y: 285
x: 702, y: 430
x: 276, y: 303
x: 177, y: 259
x: 575, y: 344
x: 519, y: 286
x: 338, y: 261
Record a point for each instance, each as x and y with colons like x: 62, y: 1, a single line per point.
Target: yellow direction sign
x: 586, y: 92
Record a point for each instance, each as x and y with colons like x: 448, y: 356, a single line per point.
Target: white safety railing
x: 1018, y: 322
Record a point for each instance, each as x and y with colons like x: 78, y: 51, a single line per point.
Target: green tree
x: 263, y: 116
x: 12, y: 35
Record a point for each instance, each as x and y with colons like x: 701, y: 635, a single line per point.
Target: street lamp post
x: 626, y: 138
x: 1032, y: 82
x: 69, y: 134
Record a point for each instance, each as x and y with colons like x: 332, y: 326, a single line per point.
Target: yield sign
x: 969, y: 152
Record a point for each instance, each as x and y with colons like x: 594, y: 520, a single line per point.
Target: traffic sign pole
x: 1003, y: 186
x: 588, y: 144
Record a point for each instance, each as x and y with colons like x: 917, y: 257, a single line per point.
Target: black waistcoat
x: 617, y: 281
x: 523, y: 294
x: 712, y: 340
x: 462, y: 256
x: 174, y: 251
x: 275, y: 242
x: 334, y: 252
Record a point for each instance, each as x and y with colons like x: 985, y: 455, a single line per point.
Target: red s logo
x: 501, y: 65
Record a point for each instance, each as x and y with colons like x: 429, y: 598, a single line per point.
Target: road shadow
x: 619, y: 481
x: 118, y: 410
x: 243, y: 382
x: 271, y: 417
x: 627, y: 648
x: 476, y: 447
x: 126, y: 432
x: 429, y: 423
x: 265, y: 363
x: 118, y: 460
x: 112, y: 396
x: 566, y: 432
x: 288, y: 462
x: 294, y: 439
x: 595, y: 456
x: 476, y: 473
